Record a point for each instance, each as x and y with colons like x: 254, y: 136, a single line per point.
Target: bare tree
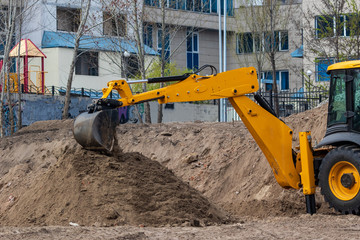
x: 331, y: 34
x: 19, y: 34
x: 138, y: 21
x: 249, y: 39
x: 266, y: 26
x: 79, y: 33
x: 9, y: 28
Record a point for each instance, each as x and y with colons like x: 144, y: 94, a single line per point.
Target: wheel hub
x: 347, y: 180
x: 344, y: 180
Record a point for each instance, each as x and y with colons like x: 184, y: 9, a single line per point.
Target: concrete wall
x: 40, y: 108
x: 186, y: 112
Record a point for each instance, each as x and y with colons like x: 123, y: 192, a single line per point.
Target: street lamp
x: 309, y: 73
x: 126, y: 54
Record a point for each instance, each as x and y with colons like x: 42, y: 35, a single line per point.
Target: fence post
x: 22, y: 88
x: 271, y: 98
x: 320, y: 100
x: 82, y: 91
x: 111, y: 95
x: 53, y: 90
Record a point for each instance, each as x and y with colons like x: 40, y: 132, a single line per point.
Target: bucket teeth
x: 96, y: 130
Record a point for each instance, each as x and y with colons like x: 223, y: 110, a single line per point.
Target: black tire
x: 339, y: 162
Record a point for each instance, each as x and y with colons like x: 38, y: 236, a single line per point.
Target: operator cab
x: 343, y: 124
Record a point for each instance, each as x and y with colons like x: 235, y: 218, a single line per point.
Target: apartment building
x: 331, y: 34
x: 52, y: 25
x: 195, y: 41
x: 191, y: 40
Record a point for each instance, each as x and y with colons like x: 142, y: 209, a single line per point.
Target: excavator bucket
x: 96, y: 130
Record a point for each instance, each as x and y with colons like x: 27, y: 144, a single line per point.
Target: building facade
x: 304, y: 38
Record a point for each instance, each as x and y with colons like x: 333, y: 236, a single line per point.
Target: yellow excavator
x: 333, y: 165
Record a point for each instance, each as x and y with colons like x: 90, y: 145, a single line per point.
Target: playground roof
x: 27, y: 48
x: 113, y: 44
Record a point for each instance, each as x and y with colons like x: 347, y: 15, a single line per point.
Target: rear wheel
x: 339, y: 179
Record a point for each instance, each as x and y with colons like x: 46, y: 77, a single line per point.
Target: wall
x: 186, y: 112
x: 42, y: 108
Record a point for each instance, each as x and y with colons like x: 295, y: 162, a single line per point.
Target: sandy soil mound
x: 223, y: 161
x: 47, y: 179
x: 55, y: 182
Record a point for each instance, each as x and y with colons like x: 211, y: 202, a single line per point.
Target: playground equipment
x: 32, y: 80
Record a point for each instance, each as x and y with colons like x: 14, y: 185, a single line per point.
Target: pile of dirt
x: 222, y: 161
x: 48, y: 179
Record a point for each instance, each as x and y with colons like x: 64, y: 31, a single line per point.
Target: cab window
x: 356, y: 75
x: 337, y: 101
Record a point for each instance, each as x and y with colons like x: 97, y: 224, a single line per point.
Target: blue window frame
x: 245, y: 43
x: 324, y: 26
x: 321, y: 65
x: 167, y: 43
x: 283, y: 41
x: 147, y: 35
x: 205, y: 6
x: 282, y: 79
x: 192, y: 50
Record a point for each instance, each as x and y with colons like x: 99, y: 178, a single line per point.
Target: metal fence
x: 290, y: 102
x: 53, y: 90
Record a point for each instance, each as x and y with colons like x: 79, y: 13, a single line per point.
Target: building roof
x: 113, y: 44
x: 344, y: 65
x: 27, y: 48
x: 298, y: 53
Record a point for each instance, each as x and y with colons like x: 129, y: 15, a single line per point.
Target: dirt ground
x: 169, y: 181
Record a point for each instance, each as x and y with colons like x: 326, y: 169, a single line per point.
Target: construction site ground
x: 164, y: 181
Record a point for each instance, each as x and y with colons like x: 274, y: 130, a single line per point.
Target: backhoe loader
x: 333, y: 165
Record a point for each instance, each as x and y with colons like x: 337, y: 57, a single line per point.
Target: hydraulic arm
x: 96, y: 129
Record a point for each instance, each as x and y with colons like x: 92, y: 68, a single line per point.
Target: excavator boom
x: 274, y: 137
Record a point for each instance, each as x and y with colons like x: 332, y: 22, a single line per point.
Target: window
x: 192, y: 50
x: 249, y: 42
x: 167, y: 43
x: 205, y: 6
x: 114, y: 25
x: 281, y: 41
x: 154, y: 3
x: 324, y: 26
x: 356, y: 91
x: 131, y: 66
x: 345, y: 25
x: 337, y: 100
x: 282, y: 79
x: 321, y: 66
x: 68, y: 19
x: 245, y: 43
x: 3, y: 15
x: 87, y: 63
x: 284, y: 41
x: 147, y: 35
x: 353, y: 25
